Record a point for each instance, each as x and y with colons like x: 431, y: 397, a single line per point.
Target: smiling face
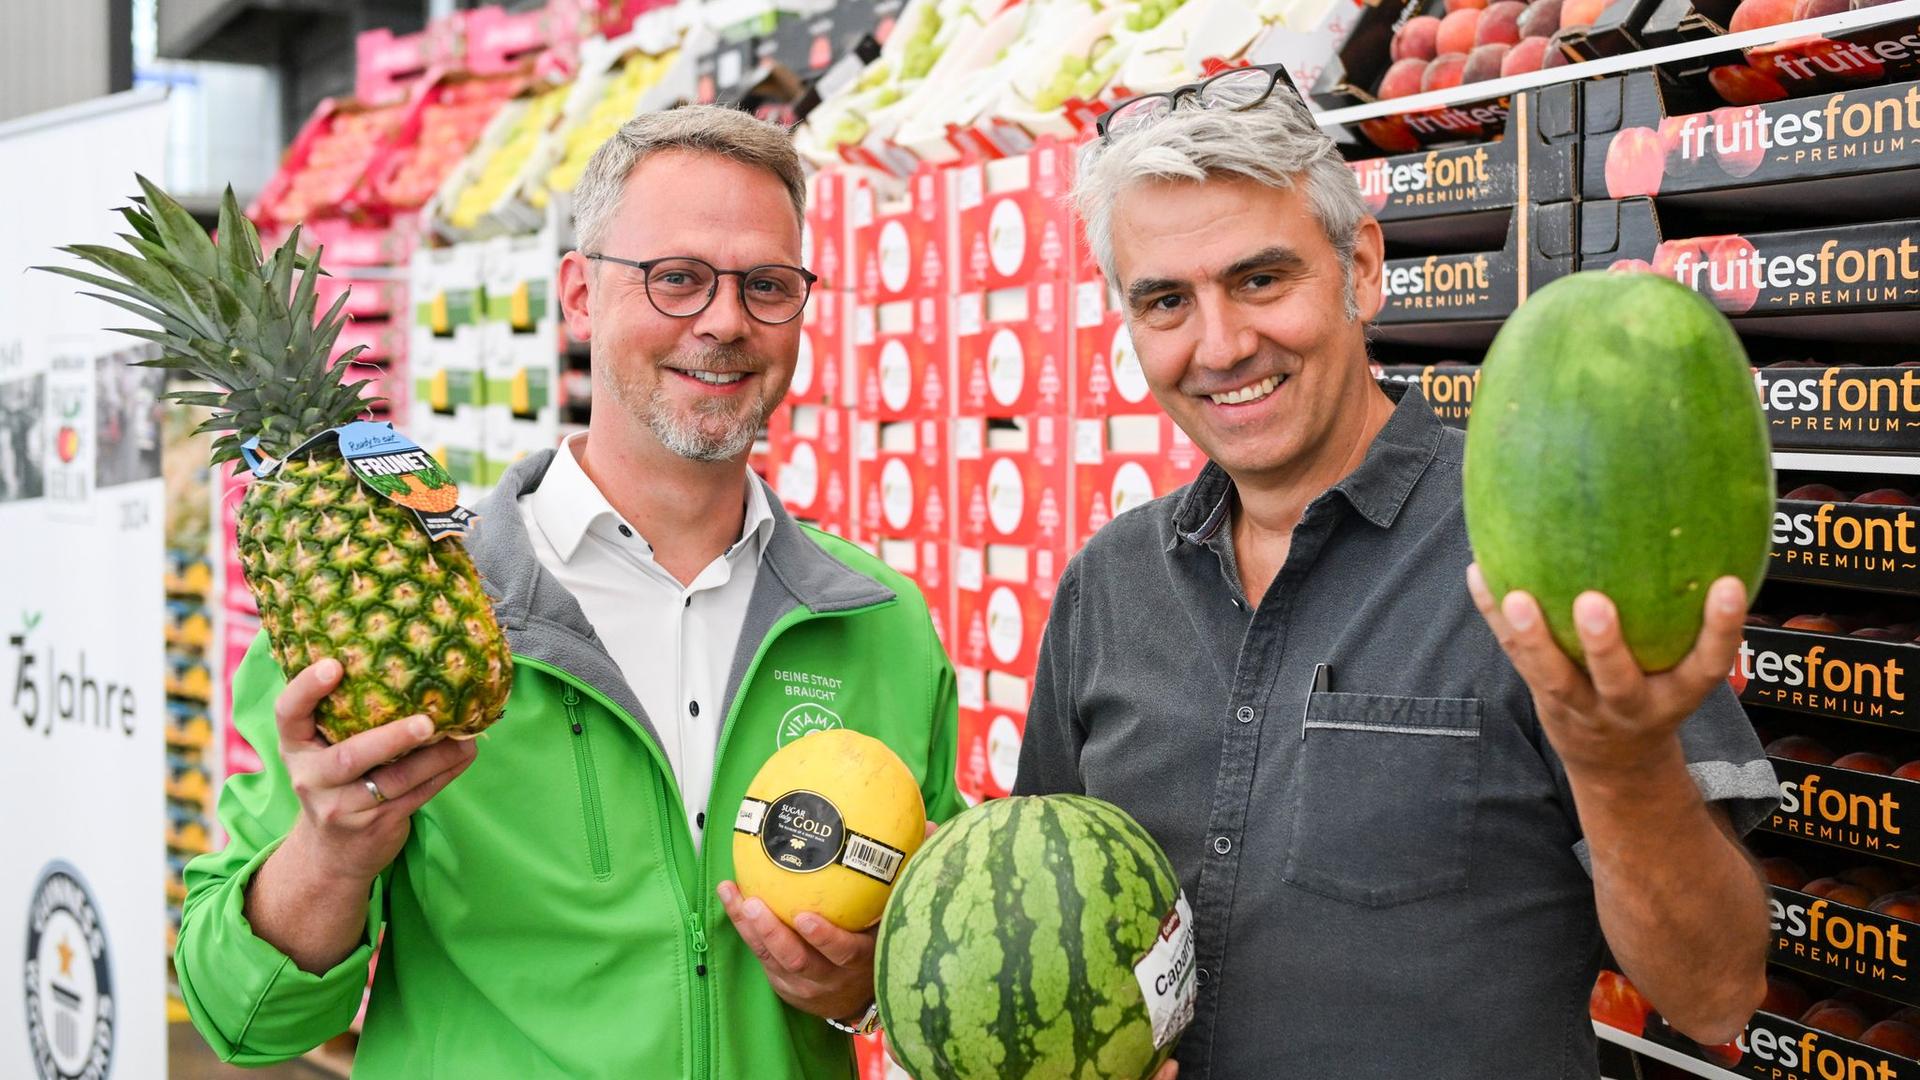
x: 700, y: 387
x: 1235, y: 299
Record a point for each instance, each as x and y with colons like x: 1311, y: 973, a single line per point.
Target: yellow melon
x: 827, y: 825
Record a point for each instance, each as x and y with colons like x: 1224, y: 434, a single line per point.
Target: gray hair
x: 703, y: 129
x: 1275, y: 143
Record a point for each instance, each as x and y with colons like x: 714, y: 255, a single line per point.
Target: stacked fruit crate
x: 1772, y: 178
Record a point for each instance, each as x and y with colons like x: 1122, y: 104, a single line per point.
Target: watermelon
x: 1040, y: 938
x: 1617, y: 444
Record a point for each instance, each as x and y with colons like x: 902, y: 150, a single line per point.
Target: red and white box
x: 993, y: 719
x: 1000, y: 628
x: 1108, y: 378
x: 902, y: 247
x: 1122, y: 462
x: 1012, y: 502
x: 905, y: 487
x: 901, y: 360
x: 928, y: 562
x: 826, y: 238
x: 1014, y: 224
x: 826, y: 334
x: 812, y: 453
x: 1011, y: 351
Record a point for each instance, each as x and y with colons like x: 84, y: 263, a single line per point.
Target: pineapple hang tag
x: 395, y: 466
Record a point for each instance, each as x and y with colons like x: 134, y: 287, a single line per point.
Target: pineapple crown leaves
x: 231, y: 316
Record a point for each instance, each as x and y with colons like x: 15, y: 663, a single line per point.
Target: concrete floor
x: 189, y: 1059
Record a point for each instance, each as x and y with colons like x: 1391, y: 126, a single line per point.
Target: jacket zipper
x: 797, y: 615
x: 695, y: 921
x: 590, y: 805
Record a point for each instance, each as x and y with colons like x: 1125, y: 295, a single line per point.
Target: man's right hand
x: 345, y: 830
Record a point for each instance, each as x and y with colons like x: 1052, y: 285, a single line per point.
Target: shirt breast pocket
x: 1385, y: 790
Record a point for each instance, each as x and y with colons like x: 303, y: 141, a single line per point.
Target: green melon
x: 1617, y: 444
x: 1008, y: 949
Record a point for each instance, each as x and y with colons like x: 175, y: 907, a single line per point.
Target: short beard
x: 720, y: 430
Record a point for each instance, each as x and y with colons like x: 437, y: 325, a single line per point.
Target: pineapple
x: 338, y: 569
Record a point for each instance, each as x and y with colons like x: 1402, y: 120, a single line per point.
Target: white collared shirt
x: 674, y: 643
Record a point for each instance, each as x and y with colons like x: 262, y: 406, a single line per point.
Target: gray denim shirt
x: 1387, y: 874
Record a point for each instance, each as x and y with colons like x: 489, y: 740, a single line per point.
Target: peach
x: 1909, y: 771
x: 1635, y: 163
x: 1416, y: 39
x: 1813, y: 9
x: 1801, y: 748
x: 1457, y: 31
x: 1904, y: 906
x: 1624, y: 266
x: 1578, y: 13
x: 1484, y: 62
x: 1499, y: 24
x: 1457, y: 5
x: 1618, y: 1004
x: 1736, y: 140
x: 1816, y: 493
x: 1865, y: 761
x: 1835, y: 1018
x: 1403, y: 78
x: 1885, y: 496
x: 1909, y: 1016
x: 1741, y: 288
x: 1893, y: 1037
x: 1444, y: 72
x: 1390, y: 133
x: 1814, y: 624
x: 1881, y: 633
x: 1785, y: 997
x: 1787, y: 874
x: 1556, y: 52
x: 1754, y: 14
x: 1524, y: 57
x: 1839, y: 892
x: 1541, y: 19
x: 1877, y: 879
x: 1759, y: 618
x: 1738, y: 84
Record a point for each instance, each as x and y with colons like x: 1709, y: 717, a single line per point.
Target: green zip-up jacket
x: 549, y: 914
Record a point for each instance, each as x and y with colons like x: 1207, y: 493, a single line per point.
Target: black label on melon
x: 803, y: 832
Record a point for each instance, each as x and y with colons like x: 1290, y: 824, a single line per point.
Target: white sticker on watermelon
x: 1165, y: 975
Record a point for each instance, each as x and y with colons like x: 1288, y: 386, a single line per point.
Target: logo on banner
x: 69, y: 980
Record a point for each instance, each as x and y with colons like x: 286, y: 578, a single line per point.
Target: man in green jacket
x: 564, y: 909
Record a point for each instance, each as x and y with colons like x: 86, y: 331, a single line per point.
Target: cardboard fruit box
x: 1841, y: 407
x: 1861, y: 812
x: 1851, y: 154
x: 1460, y: 197
x: 1448, y: 388
x: 1846, y: 282
x: 1461, y: 299
x: 1850, y: 678
x: 1011, y: 351
x: 1771, y: 1048
x: 1862, y: 545
x: 1848, y: 945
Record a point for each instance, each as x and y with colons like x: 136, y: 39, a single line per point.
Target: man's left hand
x: 1613, y: 718
x: 821, y: 969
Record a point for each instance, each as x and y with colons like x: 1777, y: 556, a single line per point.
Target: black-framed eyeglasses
x: 1235, y: 90
x: 681, y: 286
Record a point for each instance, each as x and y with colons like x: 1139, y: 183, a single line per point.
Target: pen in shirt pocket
x: 1322, y: 683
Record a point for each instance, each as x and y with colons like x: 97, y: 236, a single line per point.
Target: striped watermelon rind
x: 1008, y: 946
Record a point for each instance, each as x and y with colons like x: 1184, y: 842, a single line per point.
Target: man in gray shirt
x: 1407, y: 828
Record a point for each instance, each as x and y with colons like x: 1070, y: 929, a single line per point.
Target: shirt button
x: 1222, y: 845
x: 693, y: 707
x: 1204, y: 975
x: 700, y: 819
x: 1245, y: 714
x: 624, y: 531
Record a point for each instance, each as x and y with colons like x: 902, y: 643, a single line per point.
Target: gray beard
x: 718, y: 430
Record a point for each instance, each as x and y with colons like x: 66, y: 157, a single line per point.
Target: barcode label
x: 753, y: 812
x: 871, y: 857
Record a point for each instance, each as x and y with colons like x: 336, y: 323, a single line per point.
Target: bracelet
x: 867, y: 1024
